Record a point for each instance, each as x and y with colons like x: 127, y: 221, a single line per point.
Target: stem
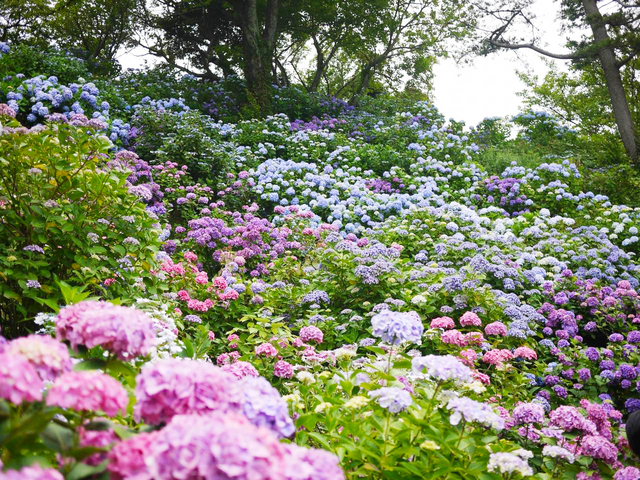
x: 384, y: 437
x: 460, y: 436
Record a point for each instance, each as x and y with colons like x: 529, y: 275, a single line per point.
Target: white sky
x: 486, y: 88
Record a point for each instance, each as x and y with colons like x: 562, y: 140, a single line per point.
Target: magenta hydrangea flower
x: 442, y: 322
x: 35, y: 472
x: 283, y: 369
x: 496, y: 328
x: 88, y: 391
x: 627, y: 473
x: 173, y: 387
x: 470, y: 319
x: 241, y: 369
x: 124, y: 331
x: 312, y: 464
x: 310, y: 333
x: 597, y: 446
x: 49, y: 356
x: 216, y: 446
x: 127, y: 458
x: 19, y: 380
x: 569, y: 418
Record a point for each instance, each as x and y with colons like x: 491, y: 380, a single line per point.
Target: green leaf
x: 82, y: 470
x: 90, y: 364
x: 57, y: 438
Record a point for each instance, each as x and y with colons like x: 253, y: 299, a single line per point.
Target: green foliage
x: 187, y: 139
x: 65, y: 218
x: 32, y: 61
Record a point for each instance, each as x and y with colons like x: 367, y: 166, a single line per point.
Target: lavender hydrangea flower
x: 263, y: 406
x: 396, y: 327
x: 472, y: 411
x: 392, y: 398
x: 442, y: 368
x: 528, y: 413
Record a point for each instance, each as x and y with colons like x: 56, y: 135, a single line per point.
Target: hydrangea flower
x: 49, y: 357
x: 216, y: 446
x: 472, y: 411
x: 442, y: 368
x: 241, y: 369
x: 263, y: 406
x: 442, y: 322
x: 312, y: 464
x: 173, y: 387
x: 283, y: 369
x: 396, y: 327
x: 553, y: 451
x: 392, y: 398
x: 34, y: 472
x: 311, y: 333
x: 19, y: 380
x: 124, y: 331
x: 127, y: 458
x: 88, y: 391
x: 508, y: 463
x: 528, y: 413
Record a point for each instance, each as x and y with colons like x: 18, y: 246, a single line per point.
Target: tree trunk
x: 619, y: 103
x: 258, y: 49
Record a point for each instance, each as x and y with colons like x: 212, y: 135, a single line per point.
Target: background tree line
x: 350, y: 48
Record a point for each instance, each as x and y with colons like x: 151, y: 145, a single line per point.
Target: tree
x: 196, y: 36
x: 93, y: 29
x: 614, y: 42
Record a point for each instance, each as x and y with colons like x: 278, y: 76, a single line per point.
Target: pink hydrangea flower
x: 88, y: 391
x: 127, y: 458
x: 481, y: 377
x: 124, y: 331
x: 497, y: 356
x: 220, y: 283
x: 496, y: 328
x: 442, y: 322
x: 241, y: 369
x: 453, y: 337
x: 98, y: 439
x: 473, y: 338
x: 173, y: 387
x: 283, y: 369
x: 312, y: 464
x: 310, y: 333
x: 597, y: 446
x: 215, y: 446
x: 19, y: 380
x: 266, y: 349
x: 34, y: 472
x: 468, y: 356
x: 190, y: 257
x: 7, y: 110
x: 526, y: 353
x: 470, y: 319
x: 49, y: 357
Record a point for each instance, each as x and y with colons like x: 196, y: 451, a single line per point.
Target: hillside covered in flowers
x: 336, y: 292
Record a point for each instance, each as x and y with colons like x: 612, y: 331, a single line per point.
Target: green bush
x: 188, y: 139
x: 32, y: 61
x: 66, y: 217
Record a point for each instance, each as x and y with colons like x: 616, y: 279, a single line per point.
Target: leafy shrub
x: 65, y: 217
x: 187, y: 139
x: 30, y: 61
